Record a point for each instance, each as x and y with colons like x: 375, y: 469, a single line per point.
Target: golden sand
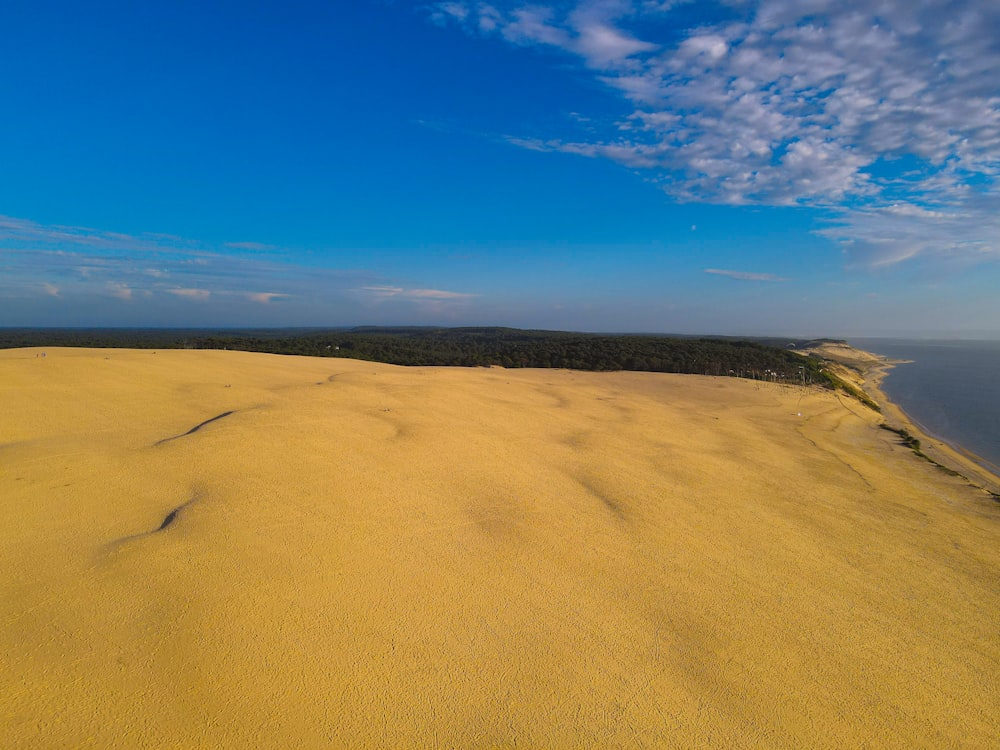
x: 361, y: 555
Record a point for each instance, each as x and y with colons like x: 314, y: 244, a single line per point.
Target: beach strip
x: 871, y: 370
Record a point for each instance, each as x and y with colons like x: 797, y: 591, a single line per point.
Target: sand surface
x: 348, y: 554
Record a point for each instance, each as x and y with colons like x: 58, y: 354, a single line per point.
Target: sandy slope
x: 367, y: 555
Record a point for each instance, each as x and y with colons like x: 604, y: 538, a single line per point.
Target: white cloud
x: 254, y: 246
x: 457, y: 11
x: 168, y: 280
x: 439, y: 294
x: 121, y: 291
x: 881, y: 237
x: 199, y: 294
x: 383, y: 291
x: 51, y: 289
x: 745, y: 275
x: 533, y: 25
x: 24, y: 230
x: 397, y: 292
x: 712, y: 46
x: 265, y: 298
x: 802, y: 103
x: 602, y: 45
x: 84, y: 262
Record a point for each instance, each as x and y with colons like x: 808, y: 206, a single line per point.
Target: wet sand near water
x: 225, y: 549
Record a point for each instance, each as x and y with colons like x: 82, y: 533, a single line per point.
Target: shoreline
x: 950, y: 456
x: 866, y: 370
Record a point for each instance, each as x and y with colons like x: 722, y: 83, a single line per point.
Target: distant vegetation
x: 763, y: 359
x: 905, y: 438
x: 914, y: 444
x: 840, y: 384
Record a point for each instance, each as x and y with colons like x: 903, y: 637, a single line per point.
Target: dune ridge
x: 400, y: 557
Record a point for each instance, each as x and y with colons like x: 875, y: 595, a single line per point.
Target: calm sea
x: 951, y: 389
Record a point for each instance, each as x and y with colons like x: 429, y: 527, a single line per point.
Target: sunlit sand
x: 351, y: 554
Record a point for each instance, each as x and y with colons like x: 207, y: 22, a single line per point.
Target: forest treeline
x: 761, y: 359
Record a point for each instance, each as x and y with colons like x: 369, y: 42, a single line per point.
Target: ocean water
x: 951, y: 389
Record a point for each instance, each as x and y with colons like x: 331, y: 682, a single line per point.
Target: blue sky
x: 808, y: 168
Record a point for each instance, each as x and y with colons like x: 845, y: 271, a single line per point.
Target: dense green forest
x: 762, y: 359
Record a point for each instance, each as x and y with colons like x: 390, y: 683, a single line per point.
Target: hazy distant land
x: 230, y: 549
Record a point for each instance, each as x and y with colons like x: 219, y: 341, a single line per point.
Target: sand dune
x: 222, y: 549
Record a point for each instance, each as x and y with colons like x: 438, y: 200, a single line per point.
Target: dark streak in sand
x: 169, y: 519
x: 195, y: 428
x: 610, y: 503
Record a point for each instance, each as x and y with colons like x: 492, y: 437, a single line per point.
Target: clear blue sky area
x: 812, y: 168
